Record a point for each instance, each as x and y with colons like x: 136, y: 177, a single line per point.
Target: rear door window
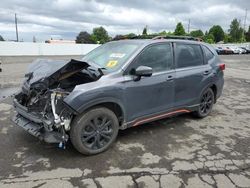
x: 188, y: 55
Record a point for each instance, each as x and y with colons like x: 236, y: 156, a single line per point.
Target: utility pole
x: 34, y: 39
x: 16, y: 28
x: 188, y: 25
x: 245, y: 19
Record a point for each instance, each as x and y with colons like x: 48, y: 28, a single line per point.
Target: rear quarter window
x: 207, y: 53
x: 188, y: 55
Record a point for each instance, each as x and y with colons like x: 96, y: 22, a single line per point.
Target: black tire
x: 94, y: 131
x: 206, y: 104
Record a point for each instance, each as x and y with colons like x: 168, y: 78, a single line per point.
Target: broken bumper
x: 34, y: 125
x: 31, y: 127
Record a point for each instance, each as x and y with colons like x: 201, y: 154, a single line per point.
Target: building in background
x: 60, y: 41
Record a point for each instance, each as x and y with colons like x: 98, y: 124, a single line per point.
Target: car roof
x: 145, y: 42
x: 151, y: 41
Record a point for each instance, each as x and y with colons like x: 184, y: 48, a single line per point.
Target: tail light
x: 222, y: 66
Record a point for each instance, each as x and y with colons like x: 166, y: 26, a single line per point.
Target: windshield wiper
x: 95, y: 65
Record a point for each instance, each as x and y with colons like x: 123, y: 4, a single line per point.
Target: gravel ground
x: 174, y: 152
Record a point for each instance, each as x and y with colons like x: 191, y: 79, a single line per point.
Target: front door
x: 155, y: 94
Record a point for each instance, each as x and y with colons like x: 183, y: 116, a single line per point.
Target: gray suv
x: 118, y: 85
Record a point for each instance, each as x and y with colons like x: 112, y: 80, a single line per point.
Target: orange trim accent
x: 159, y: 116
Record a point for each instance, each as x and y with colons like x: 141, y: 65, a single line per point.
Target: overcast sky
x: 66, y: 18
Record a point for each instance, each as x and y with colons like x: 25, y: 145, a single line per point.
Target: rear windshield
x: 111, y: 56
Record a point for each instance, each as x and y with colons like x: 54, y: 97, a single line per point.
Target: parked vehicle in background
x: 234, y: 49
x: 227, y: 50
x: 118, y: 85
x: 243, y: 51
x: 247, y: 50
x: 219, y: 50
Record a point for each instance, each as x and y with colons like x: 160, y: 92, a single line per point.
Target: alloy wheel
x: 206, y: 102
x: 97, y: 133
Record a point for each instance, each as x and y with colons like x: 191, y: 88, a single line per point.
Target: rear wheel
x: 206, y: 103
x: 94, y: 131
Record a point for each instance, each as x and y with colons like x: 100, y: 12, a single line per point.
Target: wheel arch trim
x: 100, y: 101
x: 211, y: 85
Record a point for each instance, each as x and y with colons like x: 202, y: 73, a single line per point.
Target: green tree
x: 179, y: 30
x: 145, y: 31
x: 217, y: 32
x: 119, y: 37
x: 127, y: 36
x: 163, y: 33
x: 226, y: 38
x: 100, y: 35
x: 130, y: 35
x: 247, y: 34
x: 209, y: 38
x: 197, y: 33
x: 236, y: 32
x: 1, y: 38
x: 170, y: 33
x: 242, y: 34
x: 84, y: 37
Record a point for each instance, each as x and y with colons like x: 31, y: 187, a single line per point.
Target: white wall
x: 246, y: 44
x: 38, y: 49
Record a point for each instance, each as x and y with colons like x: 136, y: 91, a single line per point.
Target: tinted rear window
x: 188, y: 55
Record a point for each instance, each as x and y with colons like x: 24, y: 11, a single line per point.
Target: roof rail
x: 176, y: 37
x: 151, y: 36
x: 156, y: 37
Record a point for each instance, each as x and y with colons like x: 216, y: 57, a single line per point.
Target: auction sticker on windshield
x: 112, y: 63
x: 117, y: 55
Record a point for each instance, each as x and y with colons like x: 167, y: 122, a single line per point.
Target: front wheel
x: 206, y: 103
x: 94, y: 131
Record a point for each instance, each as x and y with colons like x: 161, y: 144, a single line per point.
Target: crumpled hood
x: 48, y: 72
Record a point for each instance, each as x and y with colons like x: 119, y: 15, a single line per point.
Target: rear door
x: 192, y: 73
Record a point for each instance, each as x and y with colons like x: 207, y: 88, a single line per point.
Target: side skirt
x: 159, y: 116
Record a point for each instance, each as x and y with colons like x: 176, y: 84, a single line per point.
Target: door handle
x: 170, y: 78
x: 206, y: 72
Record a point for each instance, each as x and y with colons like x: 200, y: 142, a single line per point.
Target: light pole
x: 16, y: 28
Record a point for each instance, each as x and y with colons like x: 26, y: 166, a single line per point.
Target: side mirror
x: 143, y: 71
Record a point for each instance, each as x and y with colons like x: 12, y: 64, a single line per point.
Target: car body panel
x: 140, y: 96
x: 189, y: 81
x: 109, y: 88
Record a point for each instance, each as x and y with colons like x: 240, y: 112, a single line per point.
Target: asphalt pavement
x: 174, y: 152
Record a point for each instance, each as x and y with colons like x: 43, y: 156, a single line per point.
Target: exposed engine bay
x: 41, y: 99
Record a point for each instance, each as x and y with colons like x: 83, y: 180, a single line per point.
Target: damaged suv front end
x: 40, y: 106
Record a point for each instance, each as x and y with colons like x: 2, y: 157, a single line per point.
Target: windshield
x: 111, y: 56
